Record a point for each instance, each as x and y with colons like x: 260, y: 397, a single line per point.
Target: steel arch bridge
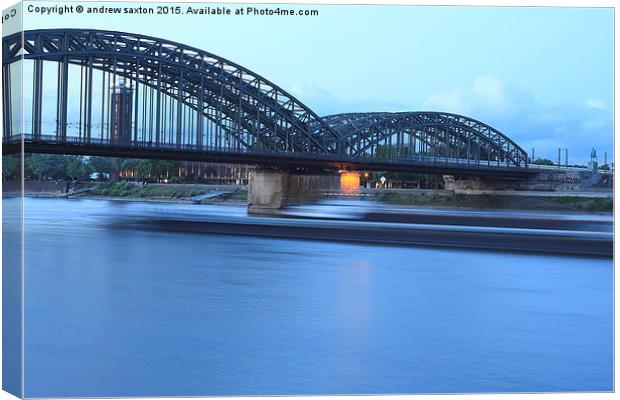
x: 433, y: 134
x: 103, y: 92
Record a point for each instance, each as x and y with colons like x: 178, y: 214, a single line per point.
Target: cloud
x: 323, y: 102
x: 595, y: 103
x: 546, y: 127
x: 576, y: 126
x: 450, y: 101
x: 490, y: 91
x: 487, y: 93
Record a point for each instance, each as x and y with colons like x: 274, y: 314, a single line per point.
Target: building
x: 216, y: 174
x: 121, y: 110
x: 200, y: 172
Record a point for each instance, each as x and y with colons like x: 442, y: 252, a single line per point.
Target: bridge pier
x: 271, y: 190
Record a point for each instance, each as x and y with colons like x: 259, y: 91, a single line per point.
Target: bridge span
x: 95, y: 92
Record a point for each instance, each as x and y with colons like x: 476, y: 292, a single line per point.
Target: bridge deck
x: 287, y: 160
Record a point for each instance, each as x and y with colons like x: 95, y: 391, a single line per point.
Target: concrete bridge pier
x: 271, y: 190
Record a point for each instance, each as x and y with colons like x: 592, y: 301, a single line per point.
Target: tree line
x: 46, y: 167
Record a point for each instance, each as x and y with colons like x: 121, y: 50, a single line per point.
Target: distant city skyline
x: 543, y: 76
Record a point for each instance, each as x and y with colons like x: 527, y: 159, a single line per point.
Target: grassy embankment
x: 489, y: 201
x: 130, y: 190
x: 162, y: 192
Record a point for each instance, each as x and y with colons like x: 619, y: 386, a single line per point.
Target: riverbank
x: 133, y: 192
x: 487, y: 201
x: 594, y: 202
x: 190, y: 193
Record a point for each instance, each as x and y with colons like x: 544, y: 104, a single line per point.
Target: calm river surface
x: 124, y: 312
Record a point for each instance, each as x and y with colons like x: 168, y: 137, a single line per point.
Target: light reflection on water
x: 113, y: 312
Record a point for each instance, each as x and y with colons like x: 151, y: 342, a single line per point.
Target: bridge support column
x: 271, y: 190
x: 267, y: 191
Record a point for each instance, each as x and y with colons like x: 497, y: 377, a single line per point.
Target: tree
x: 78, y: 169
x: 100, y: 165
x: 165, y: 168
x: 542, y: 161
x: 11, y: 167
x: 127, y: 164
x: 157, y: 168
x: 145, y: 168
x: 258, y: 146
x: 208, y: 170
x: 46, y: 166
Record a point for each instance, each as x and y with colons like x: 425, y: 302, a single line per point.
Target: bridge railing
x: 413, y: 159
x: 568, y: 168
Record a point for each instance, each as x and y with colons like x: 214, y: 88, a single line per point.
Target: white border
x: 528, y: 3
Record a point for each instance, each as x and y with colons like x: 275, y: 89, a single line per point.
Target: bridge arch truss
x: 183, y: 98
x: 426, y: 134
x: 179, y: 93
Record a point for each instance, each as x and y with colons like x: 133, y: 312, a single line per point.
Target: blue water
x: 12, y: 365
x: 125, y: 312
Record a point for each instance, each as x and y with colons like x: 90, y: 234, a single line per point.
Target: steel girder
x: 249, y: 104
x: 362, y: 131
x: 249, y: 109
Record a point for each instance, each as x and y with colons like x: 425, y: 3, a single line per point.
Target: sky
x: 543, y: 76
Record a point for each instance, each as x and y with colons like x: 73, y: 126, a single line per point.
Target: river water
x: 126, y: 312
